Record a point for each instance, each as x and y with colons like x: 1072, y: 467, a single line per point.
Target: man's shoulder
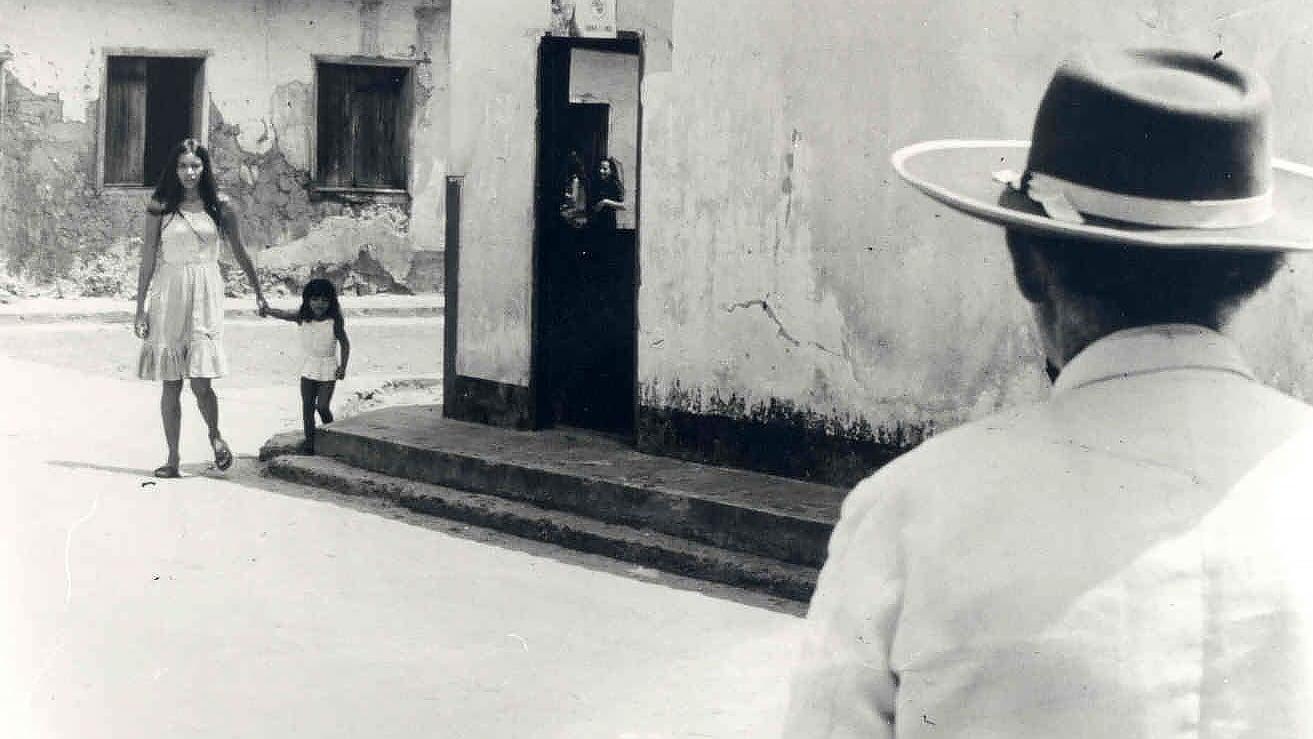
x: 949, y: 459
x: 1024, y: 446
x: 973, y: 440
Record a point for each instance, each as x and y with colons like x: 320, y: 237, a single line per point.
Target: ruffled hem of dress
x: 202, y: 358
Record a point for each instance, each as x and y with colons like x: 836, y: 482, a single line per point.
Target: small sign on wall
x: 595, y: 18
x: 584, y: 18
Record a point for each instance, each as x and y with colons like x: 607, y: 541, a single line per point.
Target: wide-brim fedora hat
x: 1152, y: 148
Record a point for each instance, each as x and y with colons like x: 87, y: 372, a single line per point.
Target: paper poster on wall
x: 595, y: 18
x: 563, y: 18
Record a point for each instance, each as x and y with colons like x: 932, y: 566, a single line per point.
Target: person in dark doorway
x: 563, y: 302
x: 574, y: 193
x: 607, y: 195
x: 182, y: 332
x: 1131, y: 557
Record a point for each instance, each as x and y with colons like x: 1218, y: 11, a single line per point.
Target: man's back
x: 1128, y: 559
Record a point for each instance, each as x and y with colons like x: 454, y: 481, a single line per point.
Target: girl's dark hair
x: 319, y: 288
x: 169, y: 190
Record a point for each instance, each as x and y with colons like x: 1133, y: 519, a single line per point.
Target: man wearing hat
x: 1133, y: 557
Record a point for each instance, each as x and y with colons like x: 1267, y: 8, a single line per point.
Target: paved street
x: 240, y: 606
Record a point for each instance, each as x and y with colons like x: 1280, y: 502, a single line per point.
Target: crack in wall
x: 782, y: 332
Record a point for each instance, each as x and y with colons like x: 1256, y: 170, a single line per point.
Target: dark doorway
x: 586, y: 130
x: 151, y: 104
x: 585, y: 286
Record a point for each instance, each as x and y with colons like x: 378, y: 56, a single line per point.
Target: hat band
x: 1067, y: 201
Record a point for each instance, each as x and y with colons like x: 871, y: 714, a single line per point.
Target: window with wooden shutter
x: 362, y: 132
x: 151, y: 103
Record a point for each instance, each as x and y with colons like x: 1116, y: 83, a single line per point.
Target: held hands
x: 341, y: 371
x: 141, y: 326
x: 262, y: 305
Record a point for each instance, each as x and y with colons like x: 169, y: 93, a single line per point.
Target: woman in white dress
x: 182, y: 331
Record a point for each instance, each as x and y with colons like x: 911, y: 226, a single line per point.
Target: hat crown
x: 1156, y: 124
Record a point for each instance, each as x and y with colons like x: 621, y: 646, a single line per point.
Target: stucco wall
x: 786, y: 270
x: 786, y: 273
x: 259, y: 82
x: 493, y: 73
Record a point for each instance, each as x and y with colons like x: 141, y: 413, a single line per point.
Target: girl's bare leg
x: 309, y: 393
x: 324, y: 400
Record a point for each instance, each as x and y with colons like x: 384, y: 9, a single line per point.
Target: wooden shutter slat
x: 125, y: 121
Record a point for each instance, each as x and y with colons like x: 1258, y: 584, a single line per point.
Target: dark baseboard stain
x: 779, y: 446
x: 486, y: 401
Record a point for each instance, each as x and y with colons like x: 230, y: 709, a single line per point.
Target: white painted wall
x: 766, y: 168
x: 782, y: 260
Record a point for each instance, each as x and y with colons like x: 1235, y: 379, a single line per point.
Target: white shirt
x: 1133, y: 558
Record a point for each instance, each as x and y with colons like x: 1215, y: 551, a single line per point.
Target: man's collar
x: 1138, y: 351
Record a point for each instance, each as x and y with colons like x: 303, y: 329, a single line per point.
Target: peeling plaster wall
x: 494, y: 96
x: 259, y: 82
x: 786, y: 271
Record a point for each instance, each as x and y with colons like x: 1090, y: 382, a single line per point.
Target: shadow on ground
x: 248, y: 473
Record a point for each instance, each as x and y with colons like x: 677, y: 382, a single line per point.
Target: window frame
x: 200, y: 94
x: 408, y: 111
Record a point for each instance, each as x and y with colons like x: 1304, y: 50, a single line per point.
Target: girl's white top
x: 318, y: 350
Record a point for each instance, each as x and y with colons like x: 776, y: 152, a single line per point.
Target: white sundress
x: 318, y: 351
x: 185, y: 337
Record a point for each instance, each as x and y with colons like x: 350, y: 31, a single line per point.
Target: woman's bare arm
x: 150, y: 245
x: 233, y: 230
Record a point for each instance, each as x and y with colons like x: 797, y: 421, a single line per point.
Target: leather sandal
x: 223, y: 456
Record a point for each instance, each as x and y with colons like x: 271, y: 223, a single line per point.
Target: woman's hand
x: 341, y: 371
x: 261, y: 305
x: 141, y: 326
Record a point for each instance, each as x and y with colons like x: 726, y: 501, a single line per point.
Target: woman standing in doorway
x: 182, y: 331
x: 608, y: 196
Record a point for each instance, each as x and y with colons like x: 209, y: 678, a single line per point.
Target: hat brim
x: 959, y: 174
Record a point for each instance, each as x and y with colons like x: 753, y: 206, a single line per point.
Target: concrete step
x: 584, y: 533
x: 597, y: 477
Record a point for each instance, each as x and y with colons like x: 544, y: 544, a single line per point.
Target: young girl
x: 322, y: 330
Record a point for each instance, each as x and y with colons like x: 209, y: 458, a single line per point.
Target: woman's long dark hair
x: 319, y: 288
x: 169, y: 191
x: 617, y: 177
